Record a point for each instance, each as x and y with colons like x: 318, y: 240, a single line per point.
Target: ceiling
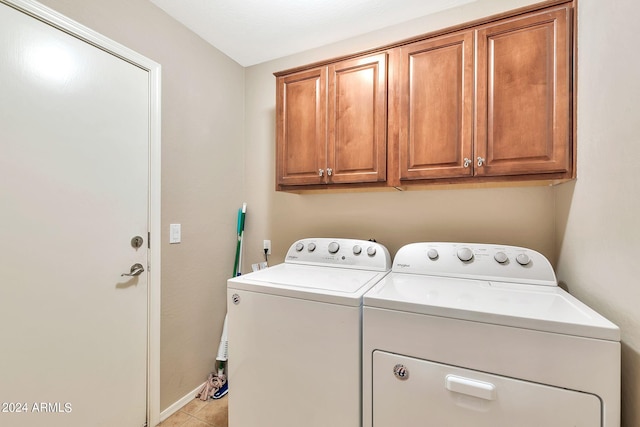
x: 256, y: 31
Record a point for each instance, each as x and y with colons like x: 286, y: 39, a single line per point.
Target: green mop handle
x: 240, y: 230
x: 235, y: 264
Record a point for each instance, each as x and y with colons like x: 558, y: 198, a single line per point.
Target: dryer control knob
x: 501, y: 257
x: 432, y: 254
x: 299, y: 247
x: 371, y: 251
x: 465, y: 254
x: 333, y: 247
x: 311, y: 247
x: 523, y: 259
x: 357, y: 250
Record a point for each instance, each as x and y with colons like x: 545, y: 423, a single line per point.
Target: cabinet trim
x: 453, y: 29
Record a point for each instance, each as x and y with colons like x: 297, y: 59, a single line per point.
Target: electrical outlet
x: 266, y: 244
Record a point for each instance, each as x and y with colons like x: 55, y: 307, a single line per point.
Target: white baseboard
x: 180, y: 403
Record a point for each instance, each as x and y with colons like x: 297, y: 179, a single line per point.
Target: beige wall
x: 202, y: 177
x: 518, y: 216
x: 588, y: 228
x: 580, y: 226
x: 598, y: 216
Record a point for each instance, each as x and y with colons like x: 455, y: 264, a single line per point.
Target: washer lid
x: 541, y: 308
x: 318, y: 283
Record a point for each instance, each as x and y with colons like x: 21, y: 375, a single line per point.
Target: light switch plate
x: 175, y: 233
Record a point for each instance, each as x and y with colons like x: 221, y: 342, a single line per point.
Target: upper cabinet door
x: 357, y: 141
x: 523, y: 107
x: 301, y: 128
x: 436, y: 108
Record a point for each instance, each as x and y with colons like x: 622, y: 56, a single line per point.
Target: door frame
x: 73, y: 28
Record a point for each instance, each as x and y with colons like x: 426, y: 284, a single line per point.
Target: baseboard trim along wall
x: 177, y: 405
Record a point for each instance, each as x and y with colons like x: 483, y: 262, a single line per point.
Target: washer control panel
x: 498, y: 263
x: 353, y: 253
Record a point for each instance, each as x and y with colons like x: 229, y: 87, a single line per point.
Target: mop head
x: 215, y: 387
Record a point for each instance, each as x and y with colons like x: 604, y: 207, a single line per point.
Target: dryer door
x: 412, y: 392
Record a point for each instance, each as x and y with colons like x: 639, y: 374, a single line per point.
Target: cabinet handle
x: 329, y: 171
x: 320, y: 172
x: 467, y: 162
x: 480, y: 161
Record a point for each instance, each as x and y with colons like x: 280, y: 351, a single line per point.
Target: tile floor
x: 198, y: 413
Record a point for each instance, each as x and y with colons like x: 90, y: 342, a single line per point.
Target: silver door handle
x: 136, y: 270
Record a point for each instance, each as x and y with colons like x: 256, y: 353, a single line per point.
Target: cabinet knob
x: 480, y: 161
x: 329, y: 171
x: 467, y: 162
x: 320, y: 172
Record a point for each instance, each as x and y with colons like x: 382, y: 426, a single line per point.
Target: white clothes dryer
x: 479, y: 335
x: 295, y: 335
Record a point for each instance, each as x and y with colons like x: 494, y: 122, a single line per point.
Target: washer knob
x: 299, y: 247
x: 371, y: 250
x: 432, y: 254
x: 501, y: 257
x: 311, y: 247
x: 357, y: 250
x: 333, y: 247
x: 523, y: 259
x: 465, y: 254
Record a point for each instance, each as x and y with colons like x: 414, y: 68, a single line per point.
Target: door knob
x: 136, y: 270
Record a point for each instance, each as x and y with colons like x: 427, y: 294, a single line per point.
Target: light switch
x: 174, y: 233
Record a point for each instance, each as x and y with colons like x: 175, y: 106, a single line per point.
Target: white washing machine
x: 295, y: 335
x: 478, y: 335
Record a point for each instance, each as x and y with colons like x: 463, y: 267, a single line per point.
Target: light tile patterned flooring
x: 197, y: 413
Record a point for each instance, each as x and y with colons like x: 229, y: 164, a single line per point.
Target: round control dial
x: 501, y: 257
x: 465, y: 254
x: 357, y: 250
x: 311, y: 247
x: 334, y: 247
x: 371, y: 251
x: 523, y: 259
x: 299, y: 247
x: 432, y: 254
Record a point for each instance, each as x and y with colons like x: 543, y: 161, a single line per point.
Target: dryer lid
x: 542, y: 308
x: 317, y: 283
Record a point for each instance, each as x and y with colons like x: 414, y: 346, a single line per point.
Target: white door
x: 74, y: 191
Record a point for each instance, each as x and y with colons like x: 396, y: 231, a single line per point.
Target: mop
x: 237, y: 266
x: 217, y: 384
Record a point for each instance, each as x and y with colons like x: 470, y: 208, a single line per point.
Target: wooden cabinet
x: 484, y: 102
x: 301, y: 127
x: 520, y: 96
x: 523, y: 104
x: 435, y: 113
x: 332, y: 123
